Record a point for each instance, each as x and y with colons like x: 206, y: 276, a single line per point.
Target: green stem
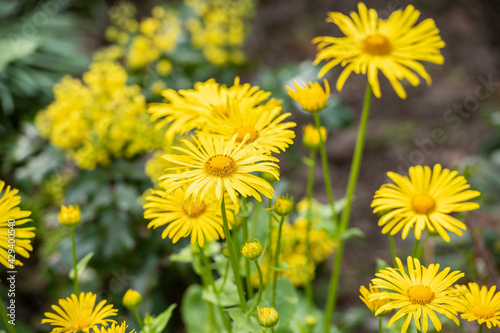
x: 244, y: 223
x: 310, y: 187
x: 269, y: 251
x: 480, y: 330
x: 232, y: 257
x: 393, y: 250
x: 276, y: 261
x: 138, y: 320
x: 380, y: 325
x: 75, y: 269
x: 204, y: 279
x: 326, y: 171
x: 415, y: 248
x: 226, y: 271
x: 3, y: 313
x: 344, y: 221
x: 211, y: 282
x: 261, y: 287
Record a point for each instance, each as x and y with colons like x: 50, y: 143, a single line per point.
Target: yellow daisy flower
x: 311, y: 97
x: 375, y: 304
x: 15, y: 238
x: 203, y: 221
x: 185, y: 110
x: 266, y: 123
x: 394, y: 46
x: 218, y: 166
x: 79, y: 314
x: 113, y: 329
x: 482, y: 305
x: 418, y: 295
x: 424, y: 200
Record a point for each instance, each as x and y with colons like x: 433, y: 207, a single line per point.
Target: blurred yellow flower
x: 394, y: 46
x: 69, y: 216
x: 113, y: 329
x: 311, y: 136
x: 132, y: 299
x: 482, y: 305
x: 311, y: 97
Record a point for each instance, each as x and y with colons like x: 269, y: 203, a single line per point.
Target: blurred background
x: 173, y: 44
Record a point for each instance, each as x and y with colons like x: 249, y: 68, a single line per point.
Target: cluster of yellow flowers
x: 219, y: 28
x: 98, y: 119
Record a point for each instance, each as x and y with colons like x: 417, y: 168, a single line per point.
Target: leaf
x: 161, y: 321
x: 245, y: 210
x: 81, y: 265
x: 227, y: 297
x: 352, y: 232
x: 287, y: 301
x: 193, y: 310
x: 282, y: 266
x: 242, y: 323
x: 381, y: 264
x: 15, y: 47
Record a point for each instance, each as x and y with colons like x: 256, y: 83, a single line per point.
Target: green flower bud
x: 283, y: 206
x: 267, y: 317
x: 252, y: 250
x: 132, y: 299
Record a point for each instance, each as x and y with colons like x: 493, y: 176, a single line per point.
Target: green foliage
x: 159, y: 323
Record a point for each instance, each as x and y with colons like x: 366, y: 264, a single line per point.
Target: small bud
x: 69, y: 216
x: 310, y: 320
x: 225, y: 252
x: 267, y: 317
x: 252, y: 250
x: 283, y: 206
x: 132, y: 299
x: 311, y: 137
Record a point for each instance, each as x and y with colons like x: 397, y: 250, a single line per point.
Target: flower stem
x: 244, y: 223
x: 480, y: 330
x: 269, y: 252
x: 261, y: 286
x: 207, y: 271
x: 415, y: 249
x: 326, y: 172
x: 310, y: 187
x: 232, y: 257
x: 276, y: 261
x: 380, y: 325
x: 344, y: 221
x: 226, y: 271
x: 138, y: 319
x: 3, y: 313
x: 75, y: 269
x: 393, y: 250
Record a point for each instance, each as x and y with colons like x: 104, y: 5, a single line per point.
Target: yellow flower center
x: 482, y: 312
x: 423, y: 204
x: 196, y: 210
x: 243, y: 131
x: 376, y: 44
x: 220, y: 166
x: 420, y: 295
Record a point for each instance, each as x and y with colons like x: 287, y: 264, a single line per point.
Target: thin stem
x: 276, y: 261
x: 344, y: 221
x: 232, y: 256
x: 269, y: 251
x: 75, y: 269
x: 415, y: 248
x: 210, y: 281
x: 204, y: 279
x: 393, y: 250
x: 244, y: 223
x: 261, y: 287
x: 480, y: 330
x: 326, y: 171
x: 310, y: 187
x: 380, y: 325
x: 138, y: 320
x: 226, y: 271
x: 3, y: 313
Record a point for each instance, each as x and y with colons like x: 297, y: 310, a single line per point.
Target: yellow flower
x: 424, y: 200
x: 300, y: 269
x: 69, y: 216
x: 15, y: 237
x: 132, y: 299
x: 218, y: 166
x: 164, y: 67
x: 202, y: 221
x: 322, y: 245
x: 418, y: 295
x: 375, y: 304
x: 311, y: 137
x: 113, y: 329
x: 482, y: 305
x: 311, y: 97
x: 79, y: 314
x: 394, y: 46
x: 246, y: 119
x: 252, y: 250
x: 267, y: 317
x: 283, y: 205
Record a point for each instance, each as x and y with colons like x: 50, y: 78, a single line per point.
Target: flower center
x: 420, y: 295
x: 220, y: 166
x: 244, y: 130
x: 423, y: 204
x: 482, y: 312
x: 376, y: 44
x: 196, y: 210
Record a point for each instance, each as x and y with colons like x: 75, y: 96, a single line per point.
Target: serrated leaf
x: 81, y: 265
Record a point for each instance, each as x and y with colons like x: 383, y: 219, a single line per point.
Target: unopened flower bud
x: 267, y: 317
x: 132, y: 299
x: 225, y: 252
x: 69, y: 216
x: 252, y: 250
x: 283, y: 206
x: 311, y: 137
x: 310, y: 320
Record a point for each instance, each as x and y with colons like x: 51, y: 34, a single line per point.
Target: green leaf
x: 193, y: 310
x: 352, y: 232
x: 282, y: 266
x: 15, y: 47
x: 287, y: 301
x: 81, y: 265
x: 242, y: 323
x: 161, y: 321
x: 227, y: 297
x: 245, y: 210
x: 381, y: 264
